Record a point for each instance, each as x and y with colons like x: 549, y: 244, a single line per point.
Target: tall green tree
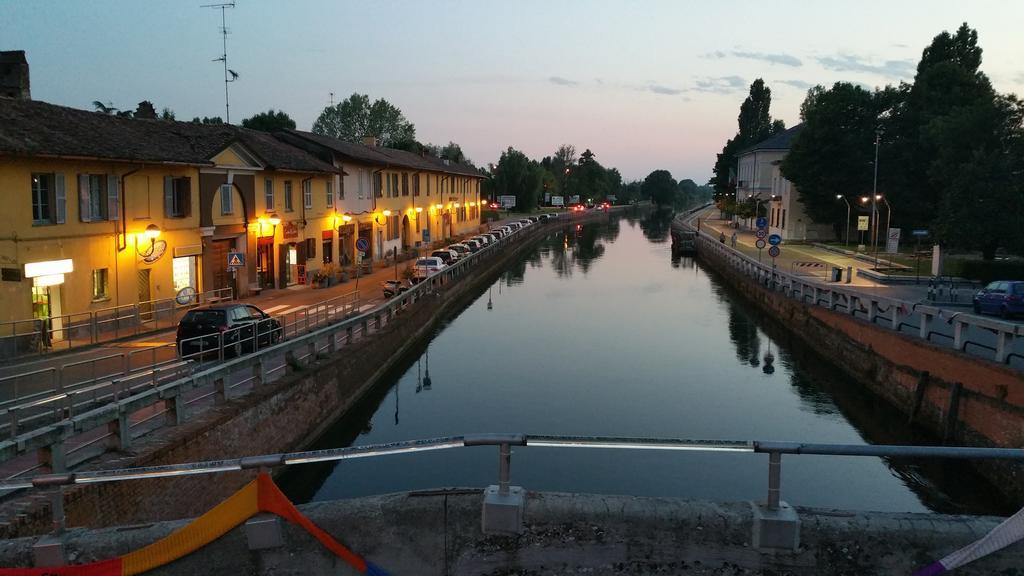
x: 269, y: 121
x: 660, y: 187
x: 355, y: 117
x: 948, y: 79
x: 979, y: 158
x: 517, y: 175
x: 833, y: 153
x: 754, y: 125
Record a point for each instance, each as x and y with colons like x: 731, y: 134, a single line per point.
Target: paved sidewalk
x: 275, y: 302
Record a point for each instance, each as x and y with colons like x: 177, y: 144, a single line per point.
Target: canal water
x: 601, y: 330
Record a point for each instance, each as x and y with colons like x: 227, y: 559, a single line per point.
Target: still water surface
x: 600, y: 330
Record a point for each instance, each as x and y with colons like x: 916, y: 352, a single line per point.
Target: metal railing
x: 37, y: 336
x: 870, y: 305
x: 774, y: 449
x: 66, y: 424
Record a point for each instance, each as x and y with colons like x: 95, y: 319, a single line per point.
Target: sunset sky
x: 645, y: 85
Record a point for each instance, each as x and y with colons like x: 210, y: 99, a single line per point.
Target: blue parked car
x: 1002, y: 297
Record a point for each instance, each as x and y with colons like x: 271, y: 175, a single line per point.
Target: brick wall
x: 890, y: 365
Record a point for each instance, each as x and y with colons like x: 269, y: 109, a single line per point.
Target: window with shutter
x: 310, y: 248
x: 169, y: 196
x: 288, y: 196
x: 330, y: 194
x: 405, y: 184
x: 268, y: 194
x: 84, y: 210
x: 60, y: 199
x: 43, y: 199
x: 227, y: 198
x: 307, y: 193
x: 113, y: 197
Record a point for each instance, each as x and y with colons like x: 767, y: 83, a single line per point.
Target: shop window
x: 288, y: 206
x: 177, y: 197
x: 99, y: 284
x: 394, y: 223
x: 268, y: 194
x: 328, y: 251
x: 183, y: 271
x: 307, y: 193
x: 227, y: 197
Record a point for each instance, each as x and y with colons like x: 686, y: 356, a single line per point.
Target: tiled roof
x: 382, y: 156
x: 781, y: 141
x: 33, y: 128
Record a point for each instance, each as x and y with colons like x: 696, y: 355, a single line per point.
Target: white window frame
x: 307, y: 193
x: 268, y: 194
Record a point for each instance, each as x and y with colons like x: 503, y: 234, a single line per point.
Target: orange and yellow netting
x: 260, y: 495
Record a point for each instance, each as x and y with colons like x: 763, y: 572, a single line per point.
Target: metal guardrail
x: 38, y: 336
x: 121, y: 410
x: 832, y: 297
x: 504, y: 442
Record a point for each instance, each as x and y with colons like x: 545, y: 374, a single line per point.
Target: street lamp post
x: 888, y: 215
x: 874, y: 199
x: 843, y: 198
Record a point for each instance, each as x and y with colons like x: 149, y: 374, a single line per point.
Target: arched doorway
x: 406, y: 235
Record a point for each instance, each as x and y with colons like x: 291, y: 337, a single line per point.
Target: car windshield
x: 426, y: 262
x: 1018, y: 288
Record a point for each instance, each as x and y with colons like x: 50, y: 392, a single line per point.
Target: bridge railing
x: 79, y: 423
x: 891, y: 313
x: 775, y: 523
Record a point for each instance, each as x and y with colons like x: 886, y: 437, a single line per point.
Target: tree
x: 978, y: 157
x: 833, y: 152
x: 269, y: 121
x: 167, y: 114
x: 102, y: 108
x: 355, y: 117
x: 947, y: 79
x: 660, y: 187
x: 516, y: 175
x: 755, y: 124
x: 211, y: 120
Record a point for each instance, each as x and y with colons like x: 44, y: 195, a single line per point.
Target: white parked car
x: 427, y: 266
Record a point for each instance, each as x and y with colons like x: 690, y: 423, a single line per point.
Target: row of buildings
x: 102, y: 211
x: 759, y: 177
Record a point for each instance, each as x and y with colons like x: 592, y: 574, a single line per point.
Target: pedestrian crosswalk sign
x: 236, y: 260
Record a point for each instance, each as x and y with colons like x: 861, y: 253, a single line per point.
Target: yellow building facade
x: 83, y: 236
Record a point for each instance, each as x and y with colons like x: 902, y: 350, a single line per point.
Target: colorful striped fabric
x: 260, y: 495
x: 1009, y: 531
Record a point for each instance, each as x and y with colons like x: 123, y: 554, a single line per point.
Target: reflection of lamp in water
x: 490, y: 304
x: 419, y: 378
x: 769, y: 360
x: 426, y: 374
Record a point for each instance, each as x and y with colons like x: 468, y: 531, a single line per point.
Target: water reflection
x: 642, y: 343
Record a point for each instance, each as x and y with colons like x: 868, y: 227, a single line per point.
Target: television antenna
x: 229, y: 75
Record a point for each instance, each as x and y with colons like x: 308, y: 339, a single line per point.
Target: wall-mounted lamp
x: 419, y: 209
x: 346, y: 218
x: 387, y: 213
x: 439, y: 206
x: 483, y: 202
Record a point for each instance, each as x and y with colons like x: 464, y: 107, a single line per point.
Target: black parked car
x: 241, y: 328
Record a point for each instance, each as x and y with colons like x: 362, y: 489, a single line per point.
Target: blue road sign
x: 762, y: 222
x: 775, y: 239
x: 920, y: 233
x: 773, y: 251
x: 362, y: 244
x: 236, y: 260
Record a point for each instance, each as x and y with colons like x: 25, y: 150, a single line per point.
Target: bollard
x: 776, y: 523
x: 348, y: 335
x: 219, y: 392
x: 849, y: 274
x: 174, y: 410
x: 259, y: 374
x: 504, y: 505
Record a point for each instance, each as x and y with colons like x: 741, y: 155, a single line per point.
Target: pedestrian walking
x: 721, y: 237
x: 733, y: 239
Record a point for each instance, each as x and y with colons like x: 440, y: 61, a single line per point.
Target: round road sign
x: 762, y: 222
x: 362, y: 244
x: 775, y: 239
x: 761, y: 233
x: 773, y: 251
x: 760, y: 244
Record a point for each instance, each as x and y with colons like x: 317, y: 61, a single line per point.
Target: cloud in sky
x: 666, y: 90
x: 721, y: 84
x: 798, y: 84
x: 782, y: 59
x: 1019, y: 77
x: 562, y: 81
x: 849, y: 63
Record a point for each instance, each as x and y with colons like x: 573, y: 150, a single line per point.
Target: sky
x: 644, y: 85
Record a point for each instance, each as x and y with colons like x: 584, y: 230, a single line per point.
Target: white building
x: 759, y: 177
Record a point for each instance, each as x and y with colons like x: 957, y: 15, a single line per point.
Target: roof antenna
x: 229, y: 75
x: 332, y: 99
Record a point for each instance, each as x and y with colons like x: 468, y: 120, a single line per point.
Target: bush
x: 986, y: 271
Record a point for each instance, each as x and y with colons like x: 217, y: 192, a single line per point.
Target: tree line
x: 950, y: 149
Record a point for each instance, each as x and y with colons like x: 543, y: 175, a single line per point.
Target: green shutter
x: 60, y: 199
x: 113, y: 199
